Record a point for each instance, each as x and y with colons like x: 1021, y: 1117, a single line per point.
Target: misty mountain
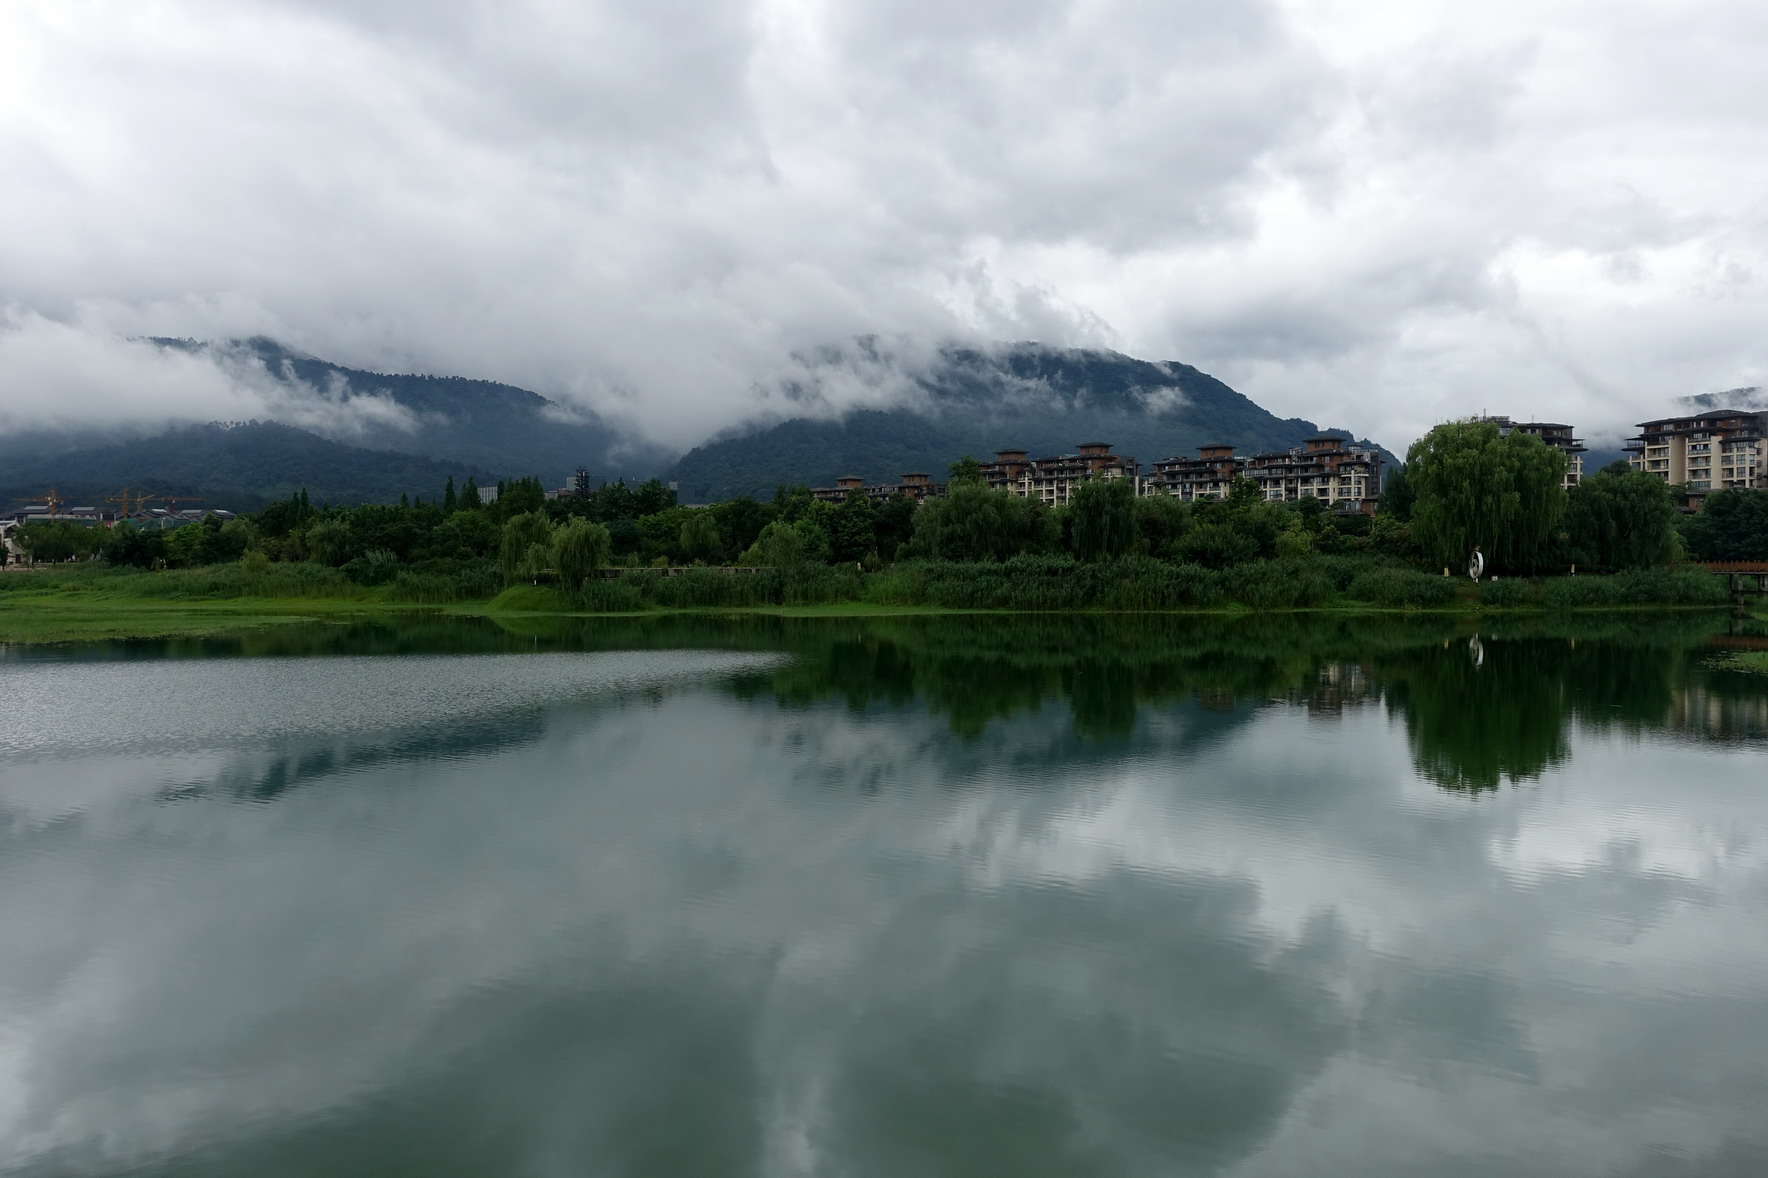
x: 1045, y: 400
x: 962, y: 401
x: 238, y: 467
x: 494, y: 426
x: 1749, y: 398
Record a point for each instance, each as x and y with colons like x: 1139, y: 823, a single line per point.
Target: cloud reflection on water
x: 760, y: 930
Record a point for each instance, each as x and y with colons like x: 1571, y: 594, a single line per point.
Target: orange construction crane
x: 52, y: 499
x: 125, y: 499
x: 172, y: 501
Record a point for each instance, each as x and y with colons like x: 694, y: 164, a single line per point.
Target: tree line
x: 1464, y: 485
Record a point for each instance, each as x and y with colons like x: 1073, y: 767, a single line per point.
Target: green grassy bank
x: 77, y: 602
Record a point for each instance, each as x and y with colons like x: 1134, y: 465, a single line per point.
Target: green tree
x: 1476, y: 487
x: 469, y: 496
x: 1216, y: 545
x: 699, y: 536
x: 135, y: 546
x: 524, y: 546
x: 739, y: 522
x: 1731, y: 525
x: 894, y: 524
x: 55, y: 541
x: 1102, y: 516
x: 1621, y: 518
x: 1160, y: 521
x: 332, y: 541
x: 975, y: 523
x: 521, y: 496
x: 449, y: 501
x: 1396, y: 495
x: 1243, y: 493
x: 792, y: 503
x: 579, y: 548
x: 652, y: 497
x: 853, y: 527
x: 965, y: 470
x: 184, y: 546
x: 781, y: 545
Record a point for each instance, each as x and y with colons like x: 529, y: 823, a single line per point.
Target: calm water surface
x: 965, y: 896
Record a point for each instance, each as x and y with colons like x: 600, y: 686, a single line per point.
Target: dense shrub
x: 1130, y: 583
x: 1682, y: 586
x: 1671, y: 586
x: 1507, y: 593
x: 1401, y: 587
x: 1277, y: 584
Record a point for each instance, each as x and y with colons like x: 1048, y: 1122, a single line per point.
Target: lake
x: 900, y: 897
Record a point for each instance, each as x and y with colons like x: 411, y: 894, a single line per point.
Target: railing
x: 680, y: 570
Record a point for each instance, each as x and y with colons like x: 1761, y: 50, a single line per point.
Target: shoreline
x: 30, y: 619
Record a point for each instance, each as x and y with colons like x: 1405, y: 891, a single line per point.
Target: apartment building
x: 1716, y: 451
x: 1557, y: 435
x: 1332, y: 469
x: 1208, y: 476
x: 1320, y: 468
x: 1053, y: 480
x: 916, y: 485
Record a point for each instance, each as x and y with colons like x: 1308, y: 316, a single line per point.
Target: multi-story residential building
x: 1053, y: 480
x: 1721, y: 450
x: 1332, y: 469
x: 1208, y: 476
x: 1554, y: 434
x: 916, y: 485
x: 1320, y: 468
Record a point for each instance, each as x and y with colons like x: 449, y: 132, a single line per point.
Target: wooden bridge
x: 1744, y: 577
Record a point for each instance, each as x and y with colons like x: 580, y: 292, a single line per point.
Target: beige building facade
x: 1327, y: 468
x: 1053, y: 480
x: 1717, y: 451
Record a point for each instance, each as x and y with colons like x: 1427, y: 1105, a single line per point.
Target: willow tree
x: 975, y: 523
x: 1621, y: 518
x: 525, y: 546
x: 1102, y: 518
x: 1474, y: 486
x: 579, y: 548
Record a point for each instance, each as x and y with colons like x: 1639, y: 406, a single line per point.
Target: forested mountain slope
x: 496, y: 426
x: 238, y: 467
x: 1045, y: 400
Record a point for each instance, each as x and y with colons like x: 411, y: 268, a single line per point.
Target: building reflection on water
x: 1702, y: 709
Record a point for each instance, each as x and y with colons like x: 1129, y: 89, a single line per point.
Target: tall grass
x: 1400, y: 587
x: 1023, y: 583
x: 713, y: 589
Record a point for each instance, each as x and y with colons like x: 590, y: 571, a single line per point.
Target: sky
x: 1377, y: 214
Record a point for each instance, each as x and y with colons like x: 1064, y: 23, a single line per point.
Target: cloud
x: 1369, y: 214
x: 62, y: 375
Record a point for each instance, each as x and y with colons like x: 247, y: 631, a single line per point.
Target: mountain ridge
x: 240, y: 466
x: 495, y: 426
x: 1046, y: 400
x: 957, y: 400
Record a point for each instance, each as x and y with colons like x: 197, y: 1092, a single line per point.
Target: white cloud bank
x: 58, y: 376
x: 1373, y: 214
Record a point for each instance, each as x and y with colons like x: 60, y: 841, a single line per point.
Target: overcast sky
x: 1373, y: 213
